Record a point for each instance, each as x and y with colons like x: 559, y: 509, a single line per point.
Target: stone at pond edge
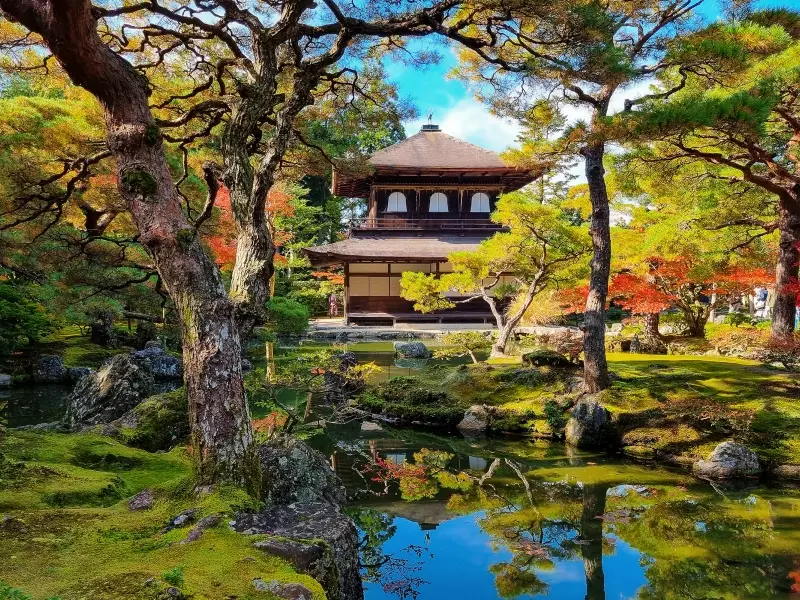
x: 142, y: 501
x: 50, y: 369
x: 5, y: 380
x: 286, y: 591
x: 205, y: 523
x: 75, y: 374
x: 295, y: 472
x: 411, y: 350
x: 115, y: 388
x: 157, y: 423
x: 590, y: 426
x: 316, y: 539
x: 476, y: 419
x: 728, y: 460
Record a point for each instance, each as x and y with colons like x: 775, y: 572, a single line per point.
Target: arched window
x: 397, y: 202
x: 480, y: 202
x: 438, y: 202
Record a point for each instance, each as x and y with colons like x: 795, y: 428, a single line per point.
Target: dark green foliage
x: 408, y: 399
x: 286, y: 315
x: 23, y: 321
x: 174, y: 576
x: 151, y: 135
x: 736, y: 319
x: 554, y: 415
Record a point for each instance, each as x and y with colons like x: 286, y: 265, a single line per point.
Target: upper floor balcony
x: 409, y: 222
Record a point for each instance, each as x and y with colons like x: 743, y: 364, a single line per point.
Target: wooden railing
x: 424, y: 223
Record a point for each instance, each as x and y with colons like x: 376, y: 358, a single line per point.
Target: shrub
x: 23, y: 321
x: 462, y: 343
x: 736, y: 319
x: 286, y: 315
x: 554, y: 415
x: 174, y: 576
x: 565, y: 343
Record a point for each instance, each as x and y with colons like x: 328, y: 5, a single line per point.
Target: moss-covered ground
x: 663, y: 404
x: 67, y: 531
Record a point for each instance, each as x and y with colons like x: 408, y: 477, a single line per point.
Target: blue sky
x: 459, y: 114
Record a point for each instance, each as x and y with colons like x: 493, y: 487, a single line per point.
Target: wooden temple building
x: 427, y: 196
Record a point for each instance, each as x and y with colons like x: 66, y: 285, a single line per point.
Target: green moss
x: 152, y: 135
x: 100, y: 549
x: 139, y: 182
x: 161, y: 421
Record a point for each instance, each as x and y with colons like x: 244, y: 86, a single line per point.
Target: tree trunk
x: 591, y: 535
x: 102, y: 330
x: 595, y: 372
x: 786, y: 271
x: 651, y: 321
x: 219, y: 414
x: 504, y: 332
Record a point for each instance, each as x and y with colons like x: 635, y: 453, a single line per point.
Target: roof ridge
x: 471, y: 145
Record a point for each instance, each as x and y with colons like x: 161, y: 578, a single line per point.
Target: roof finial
x: 430, y: 117
x: 429, y: 126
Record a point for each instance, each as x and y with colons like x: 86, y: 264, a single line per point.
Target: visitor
x: 761, y: 302
x: 334, y: 307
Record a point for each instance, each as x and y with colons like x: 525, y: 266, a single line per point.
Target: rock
x: 13, y: 525
x: 590, y: 425
x: 162, y: 365
x: 203, y: 524
x: 145, y: 332
x: 50, y: 369
x: 475, y: 420
x: 107, y: 394
x: 369, y: 426
x: 152, y: 344
x: 416, y: 364
x: 297, y: 473
x: 75, y: 374
x: 144, y: 500
x: 787, y: 472
x: 411, y: 350
x: 287, y: 591
x: 172, y: 592
x: 154, y: 424
x: 316, y: 538
x: 545, y: 358
x: 184, y: 518
x: 5, y: 380
x: 728, y: 460
x: 53, y: 426
x: 247, y: 366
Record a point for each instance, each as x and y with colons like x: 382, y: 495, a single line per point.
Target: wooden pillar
x: 346, y: 296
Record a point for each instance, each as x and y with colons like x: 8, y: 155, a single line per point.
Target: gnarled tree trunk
x: 595, y: 372
x: 218, y: 409
x: 786, y: 270
x: 651, y: 321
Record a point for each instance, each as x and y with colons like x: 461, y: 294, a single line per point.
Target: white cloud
x: 469, y: 120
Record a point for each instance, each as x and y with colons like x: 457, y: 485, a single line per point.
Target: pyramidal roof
x: 431, y: 147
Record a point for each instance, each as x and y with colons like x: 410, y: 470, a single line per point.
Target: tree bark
x: 786, y: 270
x: 219, y: 414
x: 595, y: 371
x: 651, y: 321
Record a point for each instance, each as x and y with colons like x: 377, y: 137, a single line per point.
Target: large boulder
x: 5, y: 380
x: 295, y: 472
x: 162, y: 365
x: 728, y: 460
x: 590, y: 426
x: 116, y: 387
x: 411, y: 350
x: 50, y: 369
x: 77, y: 373
x: 316, y: 538
x: 158, y: 423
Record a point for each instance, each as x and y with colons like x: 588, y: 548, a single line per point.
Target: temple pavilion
x: 427, y: 196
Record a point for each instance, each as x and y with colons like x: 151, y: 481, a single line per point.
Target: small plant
x: 554, y: 416
x: 462, y: 343
x: 736, y: 319
x: 174, y: 576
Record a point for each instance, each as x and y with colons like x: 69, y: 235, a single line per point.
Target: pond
x: 445, y: 517
x: 442, y: 516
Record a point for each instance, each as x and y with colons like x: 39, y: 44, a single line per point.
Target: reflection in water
x: 447, y: 518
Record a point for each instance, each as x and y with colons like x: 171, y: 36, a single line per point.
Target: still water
x: 443, y: 517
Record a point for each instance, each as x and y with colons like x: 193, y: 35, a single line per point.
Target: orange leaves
x: 573, y: 300
x: 334, y: 278
x: 638, y: 295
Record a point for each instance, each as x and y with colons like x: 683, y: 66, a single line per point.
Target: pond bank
x: 671, y: 409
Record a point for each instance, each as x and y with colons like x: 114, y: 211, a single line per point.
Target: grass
x: 670, y: 404
x: 69, y: 533
x: 75, y: 348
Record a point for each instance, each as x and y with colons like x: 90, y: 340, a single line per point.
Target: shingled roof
x: 425, y: 249
x: 432, y: 148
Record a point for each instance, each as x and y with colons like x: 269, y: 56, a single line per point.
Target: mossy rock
x: 545, y: 358
x: 158, y: 423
